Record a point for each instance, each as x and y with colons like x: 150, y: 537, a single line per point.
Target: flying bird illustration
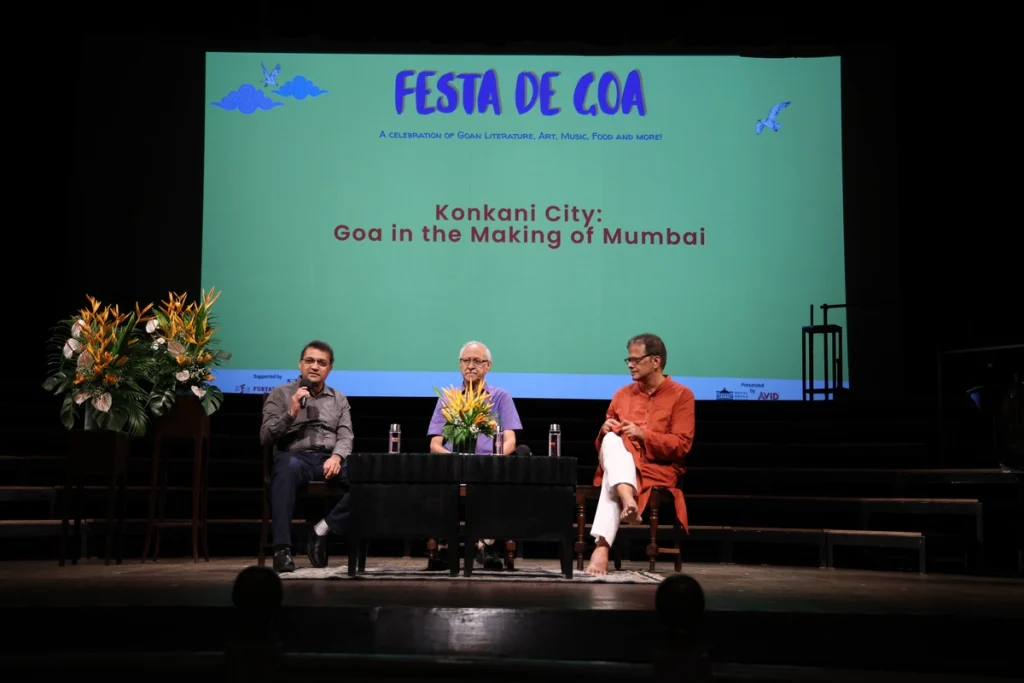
x: 270, y: 77
x: 770, y: 122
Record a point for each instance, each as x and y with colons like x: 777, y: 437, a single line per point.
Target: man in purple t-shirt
x: 475, y: 363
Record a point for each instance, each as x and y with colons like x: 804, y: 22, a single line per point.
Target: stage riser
x: 888, y: 642
x: 236, y: 472
x: 246, y: 504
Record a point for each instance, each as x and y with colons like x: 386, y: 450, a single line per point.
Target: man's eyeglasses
x: 322, y: 362
x: 473, y: 361
x: 636, y: 361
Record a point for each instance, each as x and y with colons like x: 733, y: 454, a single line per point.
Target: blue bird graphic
x: 270, y: 77
x: 770, y: 122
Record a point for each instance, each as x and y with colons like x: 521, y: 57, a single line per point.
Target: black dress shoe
x: 317, y: 550
x: 283, y: 561
x: 494, y: 561
x: 438, y: 564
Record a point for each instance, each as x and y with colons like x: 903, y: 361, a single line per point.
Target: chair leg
x: 111, y: 509
x: 122, y: 505
x: 581, y: 529
x: 161, y: 506
x: 677, y: 543
x: 154, y: 483
x: 261, y: 557
x: 197, y: 493
x: 469, y: 555
x: 79, y: 494
x: 652, y: 547
x: 205, y: 503
x: 64, y: 522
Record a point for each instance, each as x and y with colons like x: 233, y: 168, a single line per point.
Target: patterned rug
x: 531, y: 574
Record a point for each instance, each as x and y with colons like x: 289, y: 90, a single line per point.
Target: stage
x: 755, y: 615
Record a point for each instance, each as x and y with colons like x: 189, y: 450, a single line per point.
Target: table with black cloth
x: 403, y: 495
x: 408, y: 495
x: 523, y: 497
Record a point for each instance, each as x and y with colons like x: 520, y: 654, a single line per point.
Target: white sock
x: 321, y: 528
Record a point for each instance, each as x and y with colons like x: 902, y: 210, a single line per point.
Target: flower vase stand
x: 95, y: 454
x: 188, y: 421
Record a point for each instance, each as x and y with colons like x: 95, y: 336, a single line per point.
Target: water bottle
x: 395, y: 439
x: 499, y: 441
x: 555, y: 441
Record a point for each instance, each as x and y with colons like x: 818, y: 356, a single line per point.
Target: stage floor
x: 754, y: 614
x: 726, y: 588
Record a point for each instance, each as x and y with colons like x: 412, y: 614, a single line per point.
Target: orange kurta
x: 667, y: 418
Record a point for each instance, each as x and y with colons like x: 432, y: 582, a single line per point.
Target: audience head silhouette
x: 680, y: 602
x: 257, y: 589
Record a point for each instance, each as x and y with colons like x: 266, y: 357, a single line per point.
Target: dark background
x: 131, y: 130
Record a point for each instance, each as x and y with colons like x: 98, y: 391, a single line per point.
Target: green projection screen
x: 398, y: 206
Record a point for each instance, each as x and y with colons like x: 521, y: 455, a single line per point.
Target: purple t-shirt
x: 503, y: 408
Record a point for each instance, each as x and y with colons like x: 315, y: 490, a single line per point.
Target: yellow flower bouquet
x: 467, y: 415
x: 184, y: 352
x: 97, y: 363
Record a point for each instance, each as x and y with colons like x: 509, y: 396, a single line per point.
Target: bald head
x: 475, y: 349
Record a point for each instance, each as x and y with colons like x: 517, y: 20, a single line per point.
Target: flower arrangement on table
x: 467, y: 415
x: 98, y: 364
x: 184, y: 352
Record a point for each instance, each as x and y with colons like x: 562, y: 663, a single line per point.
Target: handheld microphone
x: 523, y: 450
x: 304, y: 382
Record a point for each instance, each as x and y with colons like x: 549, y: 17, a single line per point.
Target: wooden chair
x: 658, y: 494
x: 316, y: 490
x: 186, y: 420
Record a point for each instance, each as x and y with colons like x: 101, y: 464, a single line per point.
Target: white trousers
x: 618, y: 467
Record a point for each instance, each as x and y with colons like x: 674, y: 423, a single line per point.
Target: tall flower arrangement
x: 467, y: 415
x: 184, y: 352
x: 97, y: 363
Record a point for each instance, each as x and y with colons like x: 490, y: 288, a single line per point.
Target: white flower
x: 182, y: 376
x: 175, y: 349
x: 85, y: 360
x: 102, y: 403
x: 198, y: 392
x: 76, y: 329
x: 151, y: 326
x: 81, y: 398
x: 71, y: 347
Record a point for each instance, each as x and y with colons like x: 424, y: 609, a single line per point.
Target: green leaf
x: 212, y: 400
x: 67, y: 412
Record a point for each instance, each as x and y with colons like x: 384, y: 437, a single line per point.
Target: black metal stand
x: 832, y: 350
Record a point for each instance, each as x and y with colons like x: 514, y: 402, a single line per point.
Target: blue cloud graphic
x: 247, y: 99
x: 300, y: 88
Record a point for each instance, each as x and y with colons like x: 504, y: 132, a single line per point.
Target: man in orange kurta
x: 647, y: 433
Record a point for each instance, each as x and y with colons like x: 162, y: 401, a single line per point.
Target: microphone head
x: 523, y: 450
x: 304, y: 382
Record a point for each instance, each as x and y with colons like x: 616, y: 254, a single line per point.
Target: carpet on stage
x: 520, y: 575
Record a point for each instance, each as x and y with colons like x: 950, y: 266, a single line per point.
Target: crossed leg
x: 617, y: 502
